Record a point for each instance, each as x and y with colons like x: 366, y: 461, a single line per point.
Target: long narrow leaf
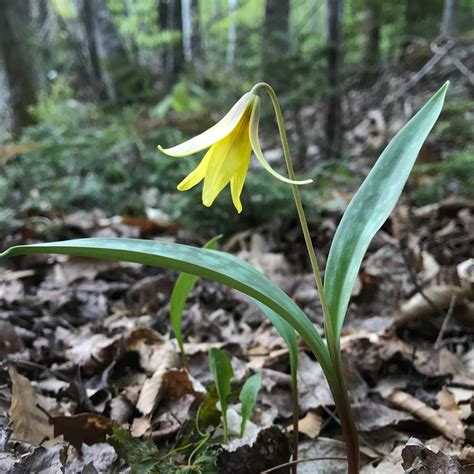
x: 222, y: 371
x: 211, y: 264
x: 183, y: 286
x: 371, y: 206
x: 248, y: 397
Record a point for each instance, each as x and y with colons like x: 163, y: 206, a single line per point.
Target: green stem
x: 336, y: 379
x: 299, y: 206
x: 346, y: 418
x: 296, y: 418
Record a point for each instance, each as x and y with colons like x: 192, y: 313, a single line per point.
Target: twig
x: 416, y: 283
x: 291, y: 463
x: 446, y: 320
x: 438, y: 53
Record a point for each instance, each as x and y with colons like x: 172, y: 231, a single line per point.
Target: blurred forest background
x: 88, y: 88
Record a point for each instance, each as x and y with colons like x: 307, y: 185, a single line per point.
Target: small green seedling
x: 222, y: 372
x: 248, y: 398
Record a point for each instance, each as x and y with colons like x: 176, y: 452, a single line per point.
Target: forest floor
x: 87, y: 348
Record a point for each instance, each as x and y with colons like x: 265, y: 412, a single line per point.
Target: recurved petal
x: 214, y: 134
x: 197, y: 175
x: 254, y: 140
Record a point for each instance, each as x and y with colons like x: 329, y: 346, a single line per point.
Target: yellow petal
x: 197, y: 175
x: 253, y: 132
x: 237, y: 183
x: 214, y: 134
x: 228, y: 157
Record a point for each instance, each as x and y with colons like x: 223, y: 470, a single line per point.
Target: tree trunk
x: 196, y: 43
x: 448, y: 20
x: 372, y: 23
x: 16, y: 53
x: 334, y: 64
x: 275, y: 41
x: 115, y: 61
x: 231, y: 33
x: 187, y: 30
x: 173, y: 57
x: 88, y: 15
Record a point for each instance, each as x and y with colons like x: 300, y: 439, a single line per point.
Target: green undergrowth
x: 453, y: 175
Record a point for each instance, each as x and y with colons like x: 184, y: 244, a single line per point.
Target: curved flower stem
x: 299, y: 204
x: 336, y: 380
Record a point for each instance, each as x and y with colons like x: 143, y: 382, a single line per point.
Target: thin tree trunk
x: 173, y: 57
x: 275, y: 41
x: 196, y: 41
x: 87, y: 15
x: 231, y: 33
x: 17, y: 56
x: 449, y: 15
x: 372, y: 23
x: 334, y: 64
x: 187, y: 29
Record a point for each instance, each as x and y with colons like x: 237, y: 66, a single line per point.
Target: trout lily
x: 230, y: 142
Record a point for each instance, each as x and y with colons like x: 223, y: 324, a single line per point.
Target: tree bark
x: 449, y: 15
x: 88, y: 17
x: 231, y: 33
x: 17, y: 56
x: 196, y: 43
x: 173, y: 57
x: 372, y: 23
x: 334, y: 81
x: 275, y: 41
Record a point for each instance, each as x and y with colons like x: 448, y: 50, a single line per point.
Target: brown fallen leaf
x: 153, y: 388
x: 435, y: 418
x: 448, y: 407
x: 179, y: 382
x: 441, y: 296
x: 10, y: 150
x: 85, y: 428
x: 29, y: 422
x: 310, y: 425
x: 420, y: 460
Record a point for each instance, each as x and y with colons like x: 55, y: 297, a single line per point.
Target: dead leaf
x: 274, y: 265
x: 313, y: 388
x: 10, y: 150
x: 434, y: 418
x: 421, y: 460
x: 373, y: 416
x: 30, y: 423
x: 310, y: 425
x: 10, y: 342
x: 440, y: 295
x: 92, y: 352
x: 70, y: 269
x: 43, y: 460
x: 153, y: 388
x: 321, y: 448
x: 85, y: 428
x: 179, y: 382
x: 101, y: 456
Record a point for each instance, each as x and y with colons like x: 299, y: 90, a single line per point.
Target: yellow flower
x: 230, y: 142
